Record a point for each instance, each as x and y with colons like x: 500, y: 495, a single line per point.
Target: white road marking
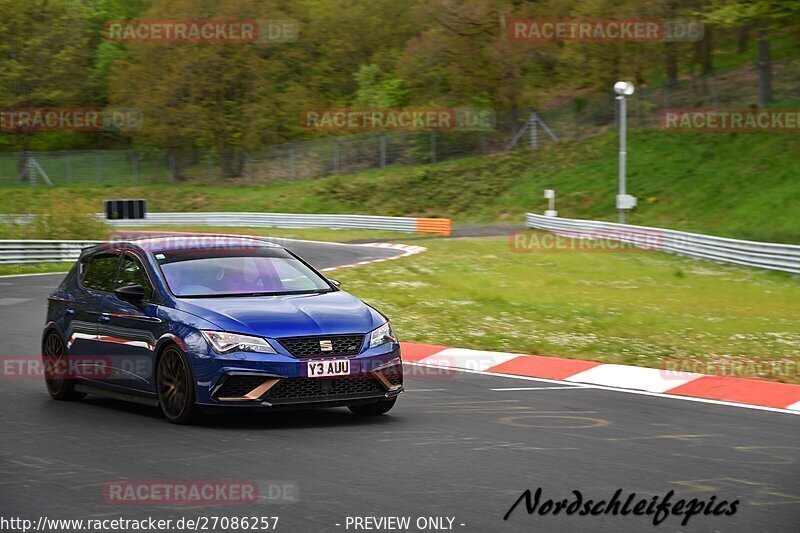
x: 634, y: 377
x: 457, y: 358
x: 615, y: 389
x: 540, y: 388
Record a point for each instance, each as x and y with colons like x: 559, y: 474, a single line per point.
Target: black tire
x: 56, y: 366
x: 372, y: 409
x: 176, y: 387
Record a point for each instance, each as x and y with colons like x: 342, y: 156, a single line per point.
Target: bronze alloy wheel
x: 175, y: 389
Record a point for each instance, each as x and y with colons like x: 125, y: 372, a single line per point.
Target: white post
x: 622, y: 152
x: 550, y: 194
x: 624, y: 201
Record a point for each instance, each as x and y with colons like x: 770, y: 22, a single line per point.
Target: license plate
x: 333, y: 367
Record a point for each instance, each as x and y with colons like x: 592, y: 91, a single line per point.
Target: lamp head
x: 623, y: 88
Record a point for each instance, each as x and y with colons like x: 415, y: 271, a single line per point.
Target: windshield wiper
x: 284, y: 293
x: 256, y: 294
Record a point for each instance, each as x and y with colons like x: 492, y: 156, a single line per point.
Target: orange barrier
x: 439, y: 226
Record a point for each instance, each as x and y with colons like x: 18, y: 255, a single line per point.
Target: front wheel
x: 372, y: 409
x: 176, y: 388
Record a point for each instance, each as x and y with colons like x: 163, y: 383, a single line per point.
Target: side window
x: 98, y: 272
x: 132, y: 273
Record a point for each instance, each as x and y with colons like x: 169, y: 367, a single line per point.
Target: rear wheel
x: 175, y: 387
x: 372, y: 409
x: 56, y: 368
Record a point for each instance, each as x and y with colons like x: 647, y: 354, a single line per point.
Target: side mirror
x: 130, y: 293
x: 336, y: 283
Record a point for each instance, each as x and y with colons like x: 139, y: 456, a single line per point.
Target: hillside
x: 740, y: 185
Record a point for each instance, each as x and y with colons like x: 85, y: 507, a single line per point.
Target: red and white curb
x: 653, y: 381
x: 407, y: 249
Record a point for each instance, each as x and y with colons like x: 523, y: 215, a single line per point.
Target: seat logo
x: 325, y: 346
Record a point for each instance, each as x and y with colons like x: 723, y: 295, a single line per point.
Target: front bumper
x: 278, y: 381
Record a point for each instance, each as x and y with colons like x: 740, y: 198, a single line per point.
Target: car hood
x: 287, y: 316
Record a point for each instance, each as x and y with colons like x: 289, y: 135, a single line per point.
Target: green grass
x: 34, y: 268
x: 740, y: 185
x: 647, y: 309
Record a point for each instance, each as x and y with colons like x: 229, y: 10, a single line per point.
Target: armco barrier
x: 439, y: 226
x: 770, y: 256
x: 41, y: 251
x: 37, y: 251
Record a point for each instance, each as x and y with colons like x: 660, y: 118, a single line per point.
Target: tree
x: 376, y: 89
x: 226, y: 96
x: 766, y: 16
x: 44, y: 58
x: 97, y: 13
x: 463, y: 57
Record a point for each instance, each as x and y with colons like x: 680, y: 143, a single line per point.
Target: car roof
x: 183, y: 241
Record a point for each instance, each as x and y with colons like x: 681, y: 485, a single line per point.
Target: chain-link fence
x: 576, y: 118
x: 279, y: 163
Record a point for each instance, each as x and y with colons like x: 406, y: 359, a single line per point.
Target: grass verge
x: 636, y: 308
x: 34, y: 268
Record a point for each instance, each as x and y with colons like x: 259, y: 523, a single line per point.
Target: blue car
x: 197, y: 324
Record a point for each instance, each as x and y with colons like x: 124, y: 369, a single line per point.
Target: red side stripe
x: 542, y: 367
x: 751, y: 391
x: 414, y: 352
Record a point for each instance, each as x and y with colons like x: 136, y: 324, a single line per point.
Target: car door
x: 128, y: 332
x: 83, y: 311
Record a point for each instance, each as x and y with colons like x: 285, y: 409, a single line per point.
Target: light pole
x: 624, y: 200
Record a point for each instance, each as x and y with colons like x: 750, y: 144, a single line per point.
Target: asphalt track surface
x: 452, y: 447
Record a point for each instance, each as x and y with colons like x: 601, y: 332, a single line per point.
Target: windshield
x: 211, y: 274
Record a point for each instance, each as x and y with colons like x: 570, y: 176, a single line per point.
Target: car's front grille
x: 313, y: 346
x: 393, y: 373
x: 322, y: 388
x: 237, y: 386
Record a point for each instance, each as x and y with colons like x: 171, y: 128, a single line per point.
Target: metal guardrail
x: 439, y: 226
x: 770, y: 256
x: 264, y: 220
x: 41, y: 251
x: 38, y: 251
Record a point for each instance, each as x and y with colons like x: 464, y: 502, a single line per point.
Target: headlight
x: 223, y: 342
x: 382, y: 335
